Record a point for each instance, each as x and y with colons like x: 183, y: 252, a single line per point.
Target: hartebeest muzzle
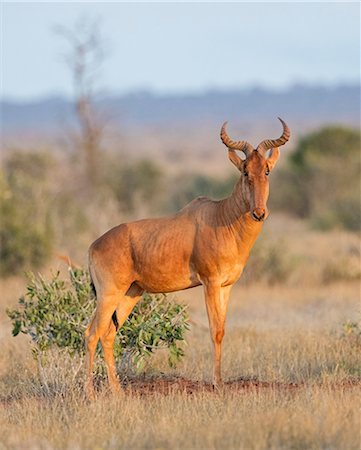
x: 259, y: 214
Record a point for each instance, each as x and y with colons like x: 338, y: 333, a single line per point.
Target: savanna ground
x: 292, y: 371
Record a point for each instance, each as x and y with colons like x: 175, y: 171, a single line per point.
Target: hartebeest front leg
x: 216, y: 298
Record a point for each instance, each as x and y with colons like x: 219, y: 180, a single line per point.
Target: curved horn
x: 245, y: 146
x: 273, y: 143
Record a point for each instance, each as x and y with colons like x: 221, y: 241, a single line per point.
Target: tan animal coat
x: 208, y: 242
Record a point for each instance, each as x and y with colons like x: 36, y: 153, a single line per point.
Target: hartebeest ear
x: 273, y: 157
x: 235, y: 159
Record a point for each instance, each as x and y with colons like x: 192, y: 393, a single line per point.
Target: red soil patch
x: 172, y: 385
x: 177, y: 385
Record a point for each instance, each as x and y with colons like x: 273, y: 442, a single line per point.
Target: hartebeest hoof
x: 116, y: 389
x: 217, y: 384
x: 218, y: 387
x: 112, y: 390
x: 90, y: 392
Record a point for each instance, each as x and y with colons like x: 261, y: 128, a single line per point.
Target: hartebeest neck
x: 235, y: 206
x: 235, y: 212
x: 237, y: 202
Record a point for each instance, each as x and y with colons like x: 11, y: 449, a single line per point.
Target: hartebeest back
x: 208, y: 242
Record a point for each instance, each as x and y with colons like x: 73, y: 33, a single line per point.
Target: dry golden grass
x: 301, y: 374
x: 312, y: 418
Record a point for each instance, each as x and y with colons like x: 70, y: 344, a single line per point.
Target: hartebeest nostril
x: 258, y: 214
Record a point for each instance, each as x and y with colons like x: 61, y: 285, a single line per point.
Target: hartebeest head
x: 255, y: 168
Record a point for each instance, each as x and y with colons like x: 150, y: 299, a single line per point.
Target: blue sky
x: 181, y: 47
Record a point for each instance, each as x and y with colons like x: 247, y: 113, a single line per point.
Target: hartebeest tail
x: 208, y: 242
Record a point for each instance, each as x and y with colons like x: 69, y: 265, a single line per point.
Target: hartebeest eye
x: 245, y: 173
x: 267, y: 171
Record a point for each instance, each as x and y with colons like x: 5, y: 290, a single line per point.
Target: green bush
x: 343, y: 267
x: 134, y: 185
x: 321, y: 181
x: 189, y: 186
x: 55, y: 313
x: 26, y: 229
x: 270, y: 262
x: 351, y: 330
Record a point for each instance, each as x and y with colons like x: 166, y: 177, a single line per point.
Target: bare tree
x: 84, y: 59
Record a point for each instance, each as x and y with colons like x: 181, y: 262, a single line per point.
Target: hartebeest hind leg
x: 216, y: 298
x: 102, y: 327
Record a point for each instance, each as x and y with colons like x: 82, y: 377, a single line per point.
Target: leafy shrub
x: 269, y: 262
x: 134, y: 185
x: 55, y: 313
x: 351, y: 330
x: 343, y: 267
x: 26, y: 231
x: 190, y: 186
x: 321, y: 180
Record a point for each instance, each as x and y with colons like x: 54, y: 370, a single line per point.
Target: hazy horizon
x: 182, y: 94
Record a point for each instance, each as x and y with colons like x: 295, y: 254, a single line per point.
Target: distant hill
x: 306, y: 106
x: 181, y: 132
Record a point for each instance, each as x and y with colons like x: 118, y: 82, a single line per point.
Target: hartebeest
x: 208, y: 242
